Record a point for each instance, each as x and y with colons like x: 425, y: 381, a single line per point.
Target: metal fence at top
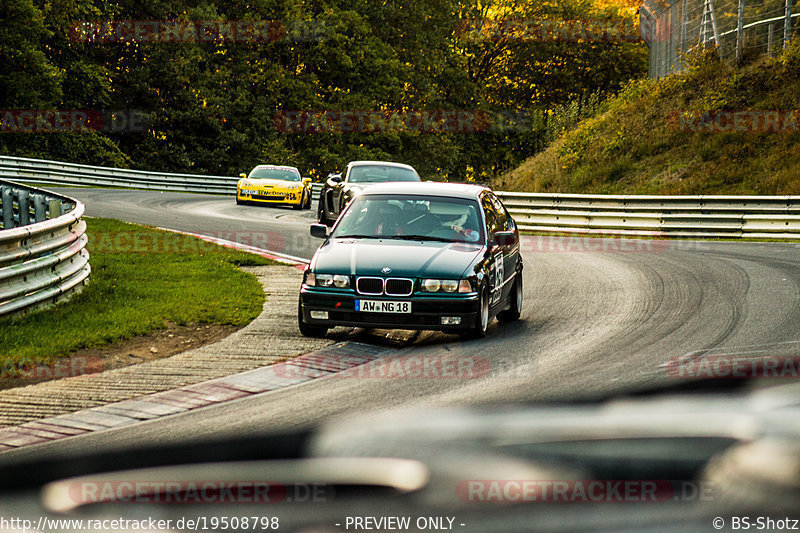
x: 737, y: 28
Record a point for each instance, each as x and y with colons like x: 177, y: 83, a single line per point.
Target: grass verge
x: 142, y: 278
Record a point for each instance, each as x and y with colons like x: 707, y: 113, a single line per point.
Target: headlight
x: 327, y: 280
x: 431, y: 285
x: 449, y: 285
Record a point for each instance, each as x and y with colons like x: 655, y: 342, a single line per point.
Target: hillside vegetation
x: 191, y: 95
x: 673, y: 136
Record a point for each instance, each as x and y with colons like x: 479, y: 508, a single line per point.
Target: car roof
x: 276, y: 167
x: 428, y: 188
x: 385, y: 163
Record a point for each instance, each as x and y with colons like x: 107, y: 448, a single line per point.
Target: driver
x: 466, y: 226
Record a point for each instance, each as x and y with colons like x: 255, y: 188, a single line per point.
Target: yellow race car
x: 272, y: 184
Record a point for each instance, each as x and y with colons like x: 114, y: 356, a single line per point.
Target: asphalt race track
x: 600, y: 317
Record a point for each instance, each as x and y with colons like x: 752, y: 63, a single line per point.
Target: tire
x: 238, y: 202
x: 307, y: 205
x: 325, y: 218
x: 321, y: 210
x: 515, y: 301
x: 299, y: 205
x: 478, y: 330
x: 308, y: 330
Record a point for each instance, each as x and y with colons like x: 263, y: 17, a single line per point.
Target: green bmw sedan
x: 432, y: 256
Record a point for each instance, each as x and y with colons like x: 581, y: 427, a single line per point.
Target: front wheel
x: 478, y: 330
x: 307, y: 329
x: 321, y: 214
x: 299, y: 205
x: 515, y: 302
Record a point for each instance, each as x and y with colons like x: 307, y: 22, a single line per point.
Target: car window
x: 390, y: 215
x: 503, y: 219
x: 266, y: 173
x: 492, y: 218
x: 381, y: 173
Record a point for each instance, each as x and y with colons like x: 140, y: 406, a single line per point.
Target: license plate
x: 380, y: 306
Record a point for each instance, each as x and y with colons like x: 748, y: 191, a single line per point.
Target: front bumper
x: 426, y: 310
x: 281, y: 197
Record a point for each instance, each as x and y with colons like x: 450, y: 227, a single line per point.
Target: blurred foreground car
x: 340, y: 189
x: 671, y: 462
x: 432, y: 256
x: 271, y: 184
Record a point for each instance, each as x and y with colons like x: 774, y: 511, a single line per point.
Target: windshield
x: 273, y: 173
x: 380, y: 173
x: 401, y: 217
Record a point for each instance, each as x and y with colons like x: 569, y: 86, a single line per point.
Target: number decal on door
x: 499, y: 276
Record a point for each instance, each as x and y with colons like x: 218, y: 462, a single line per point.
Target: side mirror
x: 320, y: 231
x: 504, y: 238
x: 243, y: 176
x: 335, y: 178
x: 306, y: 181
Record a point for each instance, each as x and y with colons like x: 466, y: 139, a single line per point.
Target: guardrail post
x: 24, y: 208
x: 39, y: 208
x: 54, y: 208
x: 8, y: 208
x: 787, y: 25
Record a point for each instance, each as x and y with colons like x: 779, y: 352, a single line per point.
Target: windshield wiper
x: 420, y: 238
x: 359, y: 237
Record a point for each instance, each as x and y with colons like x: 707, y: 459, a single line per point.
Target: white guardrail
x: 43, y: 256
x: 656, y: 216
x: 757, y: 217
x: 40, y: 171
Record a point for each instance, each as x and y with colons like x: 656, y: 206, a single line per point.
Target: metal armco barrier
x: 43, y: 256
x: 40, y: 171
x: 657, y: 216
x: 57, y: 173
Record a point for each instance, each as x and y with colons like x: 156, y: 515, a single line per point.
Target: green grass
x: 142, y: 278
x: 634, y: 144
